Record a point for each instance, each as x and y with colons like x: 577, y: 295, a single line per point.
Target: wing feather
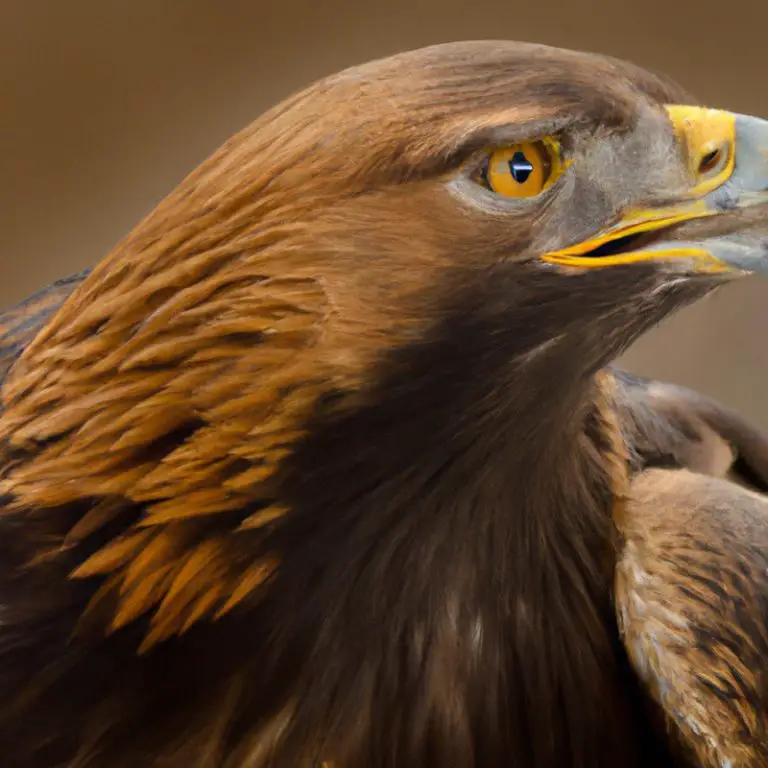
x: 668, y: 426
x: 18, y: 326
x: 691, y: 593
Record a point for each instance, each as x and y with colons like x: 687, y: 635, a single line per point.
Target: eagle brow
x: 501, y: 135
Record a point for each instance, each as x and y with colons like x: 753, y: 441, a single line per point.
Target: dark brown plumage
x: 322, y: 463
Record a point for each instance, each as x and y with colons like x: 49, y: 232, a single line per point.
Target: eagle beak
x: 727, y: 159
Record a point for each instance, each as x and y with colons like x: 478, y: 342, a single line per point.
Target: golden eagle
x: 325, y: 463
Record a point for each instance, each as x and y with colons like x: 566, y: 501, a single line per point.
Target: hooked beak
x: 727, y: 158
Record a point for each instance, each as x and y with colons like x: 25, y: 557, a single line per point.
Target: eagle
x: 327, y: 463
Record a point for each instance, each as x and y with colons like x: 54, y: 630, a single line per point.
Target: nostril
x: 711, y: 160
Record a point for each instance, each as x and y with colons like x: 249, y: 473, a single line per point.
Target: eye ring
x: 523, y: 170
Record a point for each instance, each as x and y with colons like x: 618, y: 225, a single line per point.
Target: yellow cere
x: 708, y: 140
x: 524, y: 170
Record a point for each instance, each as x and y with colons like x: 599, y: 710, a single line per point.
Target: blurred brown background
x: 105, y: 106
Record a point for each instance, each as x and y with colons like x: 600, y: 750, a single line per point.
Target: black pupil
x: 520, y: 167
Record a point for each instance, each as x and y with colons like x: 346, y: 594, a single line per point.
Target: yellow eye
x: 523, y: 170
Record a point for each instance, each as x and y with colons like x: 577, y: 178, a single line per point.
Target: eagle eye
x: 522, y: 170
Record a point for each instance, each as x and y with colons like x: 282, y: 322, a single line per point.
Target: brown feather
x: 322, y: 452
x: 691, y: 587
